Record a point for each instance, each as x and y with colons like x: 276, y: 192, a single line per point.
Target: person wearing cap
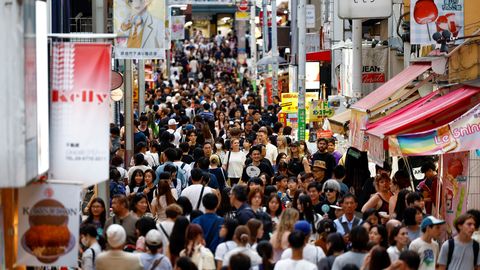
x: 294, y: 258
x: 153, y: 259
x: 461, y: 252
x: 426, y: 246
x: 310, y: 252
x: 323, y: 155
x: 172, y: 129
x: 331, y: 195
x: 319, y: 169
x: 116, y: 258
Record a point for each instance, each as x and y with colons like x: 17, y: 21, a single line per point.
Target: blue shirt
x: 211, y: 225
x: 244, y: 214
x: 343, y: 219
x: 180, y: 174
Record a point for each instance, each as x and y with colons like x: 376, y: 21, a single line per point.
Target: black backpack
x: 451, y: 247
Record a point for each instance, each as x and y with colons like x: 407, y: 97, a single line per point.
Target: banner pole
x: 128, y: 112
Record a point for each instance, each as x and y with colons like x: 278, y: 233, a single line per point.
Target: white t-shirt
x: 87, y: 256
x: 192, y: 192
x: 271, y: 153
x: 393, y: 253
x: 167, y: 225
x: 255, y: 259
x: 223, y: 248
x: 236, y: 163
x: 311, y: 253
x: 428, y: 253
x: 177, y: 135
x: 289, y: 264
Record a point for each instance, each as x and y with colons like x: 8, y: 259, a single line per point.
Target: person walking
x: 116, y: 258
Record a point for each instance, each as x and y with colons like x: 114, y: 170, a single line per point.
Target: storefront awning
x: 319, y: 56
x: 430, y: 112
x: 341, y: 118
x: 385, y: 91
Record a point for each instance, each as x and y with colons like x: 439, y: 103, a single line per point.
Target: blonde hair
x: 286, y: 223
x: 215, y: 159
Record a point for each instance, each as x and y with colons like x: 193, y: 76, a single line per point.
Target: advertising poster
x: 375, y: 65
x: 319, y: 110
x: 269, y: 91
x: 140, y: 26
x: 178, y: 24
x: 48, y: 225
x: 431, y: 16
x: 312, y: 76
x: 462, y: 134
x: 455, y: 187
x: 290, y: 101
x: 80, y: 112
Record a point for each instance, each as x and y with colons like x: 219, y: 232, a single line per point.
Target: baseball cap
x: 303, y: 226
x: 430, y: 220
x: 116, y: 235
x: 153, y: 238
x: 320, y: 164
x: 172, y: 122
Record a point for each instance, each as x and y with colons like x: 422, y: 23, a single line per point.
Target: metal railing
x: 85, y: 25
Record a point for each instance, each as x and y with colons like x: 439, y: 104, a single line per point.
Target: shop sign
x: 290, y: 101
x: 430, y: 16
x: 242, y: 16
x: 455, y: 180
x: 48, y: 225
x: 310, y: 12
x: 462, y: 134
x: 320, y: 110
x: 177, y: 27
x: 362, y: 9
x: 80, y: 112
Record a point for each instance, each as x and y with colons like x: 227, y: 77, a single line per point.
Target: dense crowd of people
x: 216, y: 182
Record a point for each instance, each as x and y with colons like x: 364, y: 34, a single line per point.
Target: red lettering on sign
x: 84, y: 96
x: 373, y: 77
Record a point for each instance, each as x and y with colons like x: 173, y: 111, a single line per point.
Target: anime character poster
x: 140, y: 26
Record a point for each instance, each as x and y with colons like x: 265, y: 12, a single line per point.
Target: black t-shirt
x: 264, y: 168
x: 329, y: 161
x: 295, y: 167
x: 187, y: 159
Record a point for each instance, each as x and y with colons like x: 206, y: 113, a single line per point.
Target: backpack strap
x: 476, y: 247
x: 451, y: 246
x: 200, y: 198
x: 156, y: 263
x: 93, y: 255
x: 163, y: 230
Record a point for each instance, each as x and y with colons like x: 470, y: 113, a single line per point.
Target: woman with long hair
x: 307, y: 213
x: 163, y: 198
x: 234, y: 162
x: 376, y: 259
x: 177, y: 237
x: 273, y: 208
x: 335, y: 247
x: 256, y: 232
x: 136, y: 183
x: 297, y: 162
x: 282, y: 145
x: 285, y: 226
x: 220, y: 124
x: 380, y: 200
x: 304, y: 150
x: 225, y: 209
x: 195, y: 248
x: 281, y: 159
x: 400, y: 204
x: 150, y: 187
x: 241, y: 237
x: 378, y: 235
x: 398, y: 239
x: 97, y: 215
x: 400, y: 184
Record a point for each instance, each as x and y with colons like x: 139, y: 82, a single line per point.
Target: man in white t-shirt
x: 297, y: 242
x: 311, y: 252
x: 271, y: 150
x: 194, y: 191
x: 425, y: 246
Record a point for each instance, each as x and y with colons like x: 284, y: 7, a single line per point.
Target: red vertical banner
x: 268, y: 88
x: 79, y: 109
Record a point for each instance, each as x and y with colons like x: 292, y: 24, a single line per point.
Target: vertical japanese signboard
x: 79, y: 111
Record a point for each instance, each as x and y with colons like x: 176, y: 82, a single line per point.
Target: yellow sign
x: 320, y: 110
x: 290, y: 101
x: 242, y: 16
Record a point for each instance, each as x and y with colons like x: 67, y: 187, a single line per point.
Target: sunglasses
x: 329, y: 190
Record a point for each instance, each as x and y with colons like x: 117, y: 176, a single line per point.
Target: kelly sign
x: 364, y: 9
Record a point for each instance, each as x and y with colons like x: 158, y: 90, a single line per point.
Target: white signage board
x: 310, y: 19
x: 364, y: 9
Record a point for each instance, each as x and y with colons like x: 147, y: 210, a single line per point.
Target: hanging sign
x: 430, y: 16
x: 310, y: 19
x: 141, y: 29
x: 178, y: 24
x: 48, y: 225
x: 80, y: 112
